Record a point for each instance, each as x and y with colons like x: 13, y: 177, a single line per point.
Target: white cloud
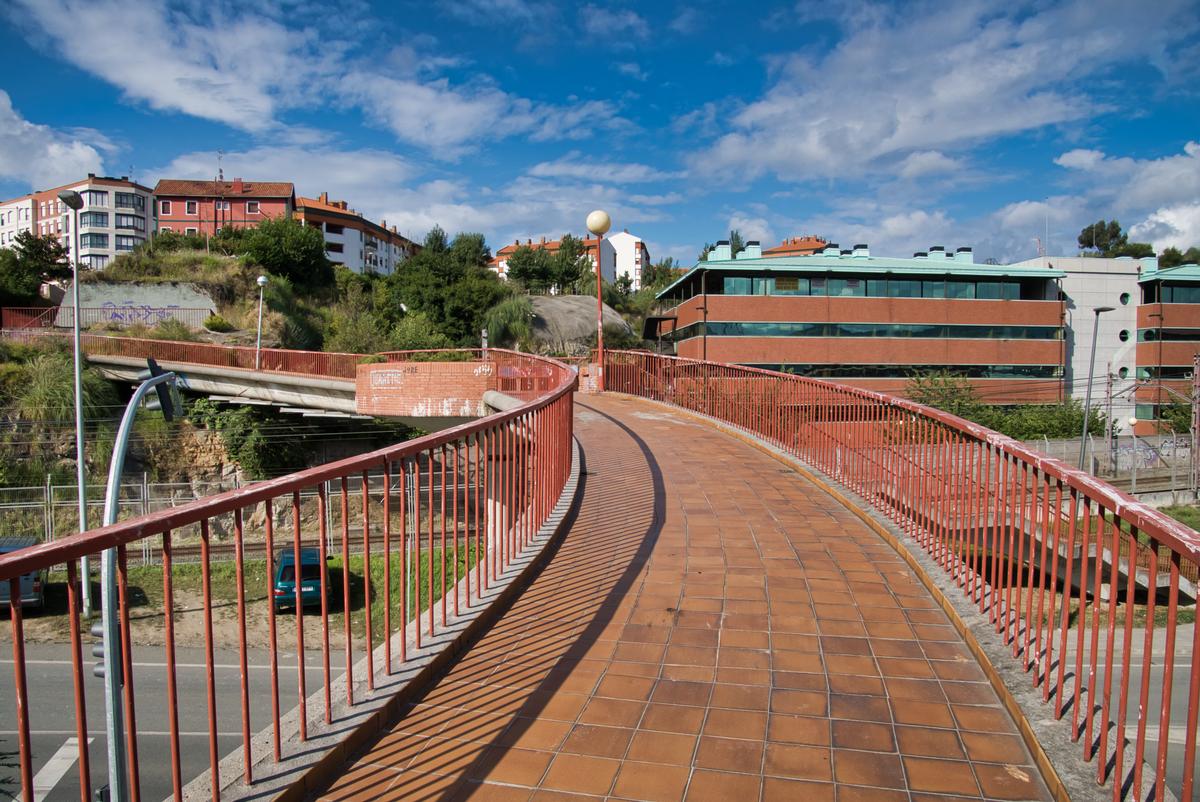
x: 614, y: 25
x: 752, y: 228
x: 483, y: 12
x: 1080, y: 159
x: 687, y: 21
x: 928, y: 162
x: 1170, y: 227
x: 900, y: 82
x: 632, y: 70
x: 235, y: 68
x: 246, y: 68
x: 41, y: 156
x: 574, y: 166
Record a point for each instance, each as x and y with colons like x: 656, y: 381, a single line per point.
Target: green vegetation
x: 955, y: 394
x: 1173, y: 257
x: 538, y: 270
x: 215, y: 322
x: 509, y: 323
x: 1105, y: 238
x: 31, y: 261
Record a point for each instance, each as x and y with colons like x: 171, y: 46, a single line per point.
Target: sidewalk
x: 713, y: 627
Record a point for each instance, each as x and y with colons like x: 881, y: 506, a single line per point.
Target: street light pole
x: 74, y: 201
x: 1087, y: 404
x: 598, y: 222
x: 262, y: 283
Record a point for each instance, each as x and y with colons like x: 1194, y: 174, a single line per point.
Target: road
x: 52, y: 710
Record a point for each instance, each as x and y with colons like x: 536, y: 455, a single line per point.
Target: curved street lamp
x: 262, y: 282
x: 598, y: 223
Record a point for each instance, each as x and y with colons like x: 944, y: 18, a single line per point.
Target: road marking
x: 229, y: 666
x: 56, y: 768
x: 1176, y: 733
x: 141, y: 732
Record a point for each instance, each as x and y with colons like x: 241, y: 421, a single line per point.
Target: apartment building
x: 872, y: 321
x: 629, y: 254
x: 116, y: 217
x: 351, y: 239
x: 205, y: 207
x: 1168, y: 339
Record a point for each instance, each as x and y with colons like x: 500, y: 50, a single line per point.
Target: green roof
x: 868, y: 264
x: 1181, y: 273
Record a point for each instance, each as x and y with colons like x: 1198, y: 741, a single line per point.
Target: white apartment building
x: 116, y: 217
x: 628, y: 254
x: 351, y: 239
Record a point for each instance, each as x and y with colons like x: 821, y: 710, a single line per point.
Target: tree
x: 660, y: 274
x: 1173, y: 257
x: 736, y: 243
x: 32, y: 261
x: 946, y: 391
x: 288, y: 248
x: 1105, y: 238
x: 531, y: 268
x: 568, y: 264
x: 449, y: 283
x: 509, y: 322
x: 416, y: 332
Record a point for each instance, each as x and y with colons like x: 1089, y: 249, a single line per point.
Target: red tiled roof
x: 796, y: 246
x: 225, y: 189
x: 549, y: 245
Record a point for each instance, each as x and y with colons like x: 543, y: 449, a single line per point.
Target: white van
x: 33, y: 584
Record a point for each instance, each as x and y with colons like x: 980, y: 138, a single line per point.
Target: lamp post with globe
x: 262, y: 283
x: 598, y: 223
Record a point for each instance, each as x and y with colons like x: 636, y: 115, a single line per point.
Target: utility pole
x: 1108, y: 405
x: 1195, y: 423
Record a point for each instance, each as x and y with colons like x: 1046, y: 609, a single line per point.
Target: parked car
x: 285, y: 578
x: 33, y: 584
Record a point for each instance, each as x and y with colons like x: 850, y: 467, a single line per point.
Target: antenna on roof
x: 1040, y: 246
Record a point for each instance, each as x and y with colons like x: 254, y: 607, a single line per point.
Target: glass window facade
x: 885, y: 330
x: 879, y: 287
x: 843, y: 371
x: 93, y: 219
x: 93, y: 240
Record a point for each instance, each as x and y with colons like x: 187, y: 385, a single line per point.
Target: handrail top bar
x: 1161, y: 527
x: 16, y: 563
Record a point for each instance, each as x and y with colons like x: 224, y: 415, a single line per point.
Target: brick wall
x: 424, y: 389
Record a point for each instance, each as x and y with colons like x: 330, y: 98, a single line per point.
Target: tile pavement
x: 713, y: 627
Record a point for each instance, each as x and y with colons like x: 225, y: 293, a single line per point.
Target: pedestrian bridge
x: 706, y: 582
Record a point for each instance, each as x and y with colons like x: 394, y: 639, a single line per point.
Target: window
x: 96, y: 261
x: 1124, y: 302
x: 1123, y: 336
x: 737, y: 285
x: 1122, y: 373
x: 333, y: 228
x: 251, y: 207
x: 903, y: 288
x: 960, y: 289
x: 130, y: 200
x: 190, y: 207
x: 127, y: 243
x: 95, y: 197
x: 130, y: 221
x: 93, y: 219
x: 93, y: 240
x: 842, y: 287
x: 191, y: 232
x: 164, y: 207
x: 222, y: 206
x: 333, y: 247
x: 165, y: 228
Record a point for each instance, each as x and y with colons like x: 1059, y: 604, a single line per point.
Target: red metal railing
x: 1068, y: 569
x: 453, y: 510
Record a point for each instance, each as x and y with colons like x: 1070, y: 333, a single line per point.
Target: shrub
x: 215, y: 322
x: 172, y: 329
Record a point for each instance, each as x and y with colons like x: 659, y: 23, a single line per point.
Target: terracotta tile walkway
x: 712, y: 628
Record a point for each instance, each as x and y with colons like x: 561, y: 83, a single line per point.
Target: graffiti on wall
x: 130, y: 312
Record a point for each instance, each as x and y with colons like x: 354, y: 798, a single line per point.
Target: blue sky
x: 979, y: 122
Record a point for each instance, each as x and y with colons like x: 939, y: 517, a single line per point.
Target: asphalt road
x: 52, y: 711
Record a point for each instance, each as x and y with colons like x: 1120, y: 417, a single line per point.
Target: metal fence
x: 1069, y: 570
x: 63, y: 317
x: 452, y: 509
